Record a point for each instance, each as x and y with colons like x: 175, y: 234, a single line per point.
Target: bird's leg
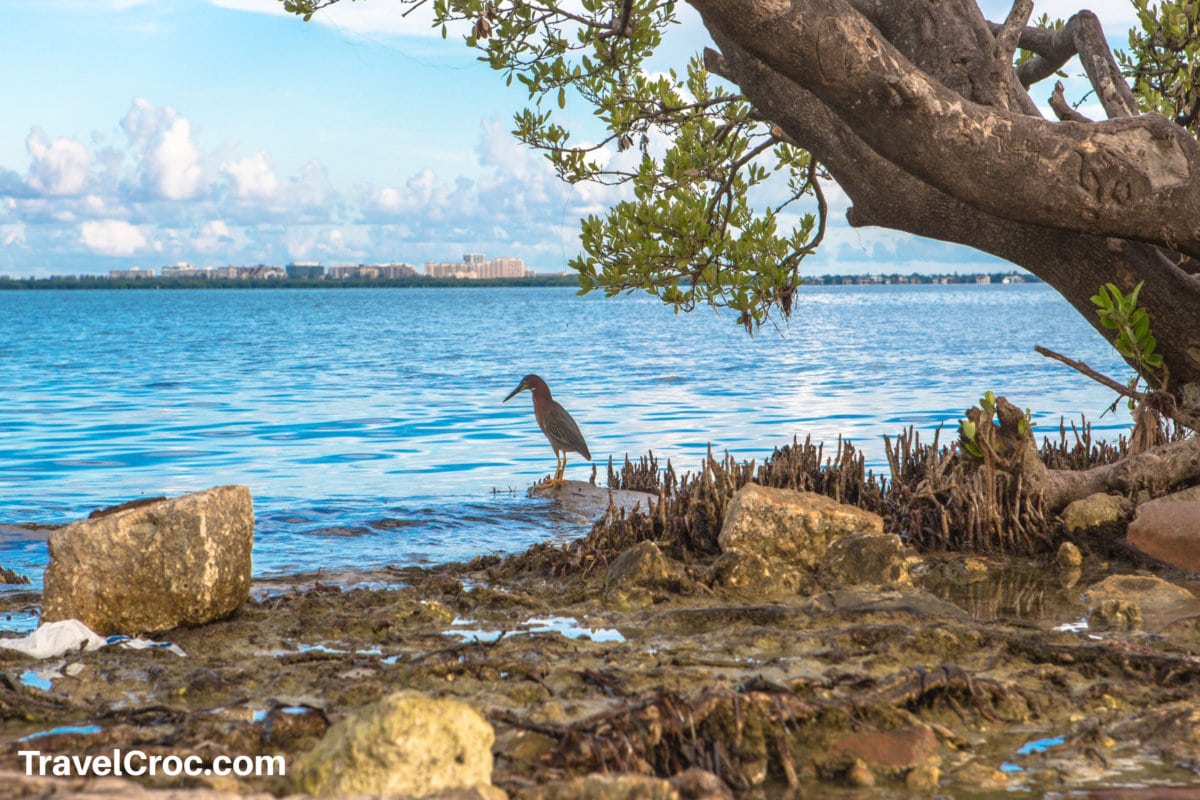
x: 560, y: 464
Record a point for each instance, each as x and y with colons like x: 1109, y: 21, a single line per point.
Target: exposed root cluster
x: 934, y: 496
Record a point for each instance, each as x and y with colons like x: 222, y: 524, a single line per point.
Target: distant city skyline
x: 472, y: 266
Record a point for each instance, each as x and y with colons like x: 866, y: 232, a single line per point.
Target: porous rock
x: 1122, y: 615
x: 878, y: 559
x: 405, y: 744
x: 789, y: 526
x: 1093, y: 511
x: 153, y: 566
x: 644, y: 565
x: 1069, y: 557
x: 1168, y: 529
x: 743, y: 571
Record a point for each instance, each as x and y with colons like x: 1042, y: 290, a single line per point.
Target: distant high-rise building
x: 305, y: 269
x: 185, y: 270
x: 134, y: 272
x: 475, y: 266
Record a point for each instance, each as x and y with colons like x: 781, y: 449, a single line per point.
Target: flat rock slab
x: 148, y: 567
x: 590, y: 501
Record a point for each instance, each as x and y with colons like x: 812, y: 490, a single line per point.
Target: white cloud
x: 424, y: 196
x: 213, y: 238
x: 253, y: 177
x: 11, y: 235
x: 59, y: 167
x: 112, y: 237
x: 169, y: 161
x: 174, y: 162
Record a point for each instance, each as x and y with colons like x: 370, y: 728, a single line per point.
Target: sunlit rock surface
x: 153, y: 566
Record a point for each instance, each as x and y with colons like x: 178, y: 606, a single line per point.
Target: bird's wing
x: 561, y: 427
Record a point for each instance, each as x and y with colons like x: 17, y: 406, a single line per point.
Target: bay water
x: 369, y: 427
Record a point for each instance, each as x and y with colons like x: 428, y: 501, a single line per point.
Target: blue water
x: 369, y: 426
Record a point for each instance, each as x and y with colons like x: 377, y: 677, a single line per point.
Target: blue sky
x: 151, y: 132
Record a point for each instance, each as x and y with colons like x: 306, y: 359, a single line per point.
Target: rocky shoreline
x: 840, y: 664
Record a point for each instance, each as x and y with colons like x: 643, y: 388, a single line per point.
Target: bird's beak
x: 513, y: 393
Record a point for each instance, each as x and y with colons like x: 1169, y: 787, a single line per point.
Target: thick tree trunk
x: 915, y: 109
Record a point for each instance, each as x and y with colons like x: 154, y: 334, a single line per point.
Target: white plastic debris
x: 70, y: 635
x: 55, y: 639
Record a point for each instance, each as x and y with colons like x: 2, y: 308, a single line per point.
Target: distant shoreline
x: 83, y: 282
x: 417, y: 282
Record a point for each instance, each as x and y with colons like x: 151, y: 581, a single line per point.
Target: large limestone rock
x: 148, y: 567
x: 792, y: 527
x: 406, y: 744
x: 1169, y: 529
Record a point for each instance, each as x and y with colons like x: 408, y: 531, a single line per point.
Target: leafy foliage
x: 1163, y: 61
x: 1121, y: 313
x: 976, y: 434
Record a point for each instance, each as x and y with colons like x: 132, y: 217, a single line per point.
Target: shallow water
x: 369, y: 425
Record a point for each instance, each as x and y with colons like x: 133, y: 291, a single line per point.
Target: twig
x: 1058, y: 102
x: 1079, y: 366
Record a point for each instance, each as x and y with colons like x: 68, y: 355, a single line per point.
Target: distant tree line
x: 424, y: 281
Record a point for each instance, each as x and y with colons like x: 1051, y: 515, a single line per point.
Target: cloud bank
x: 157, y: 194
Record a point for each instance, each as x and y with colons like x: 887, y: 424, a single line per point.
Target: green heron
x: 555, y: 422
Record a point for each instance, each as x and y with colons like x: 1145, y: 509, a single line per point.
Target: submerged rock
x: 1121, y: 615
x: 1169, y: 529
x: 788, y: 526
x: 13, y: 577
x: 153, y: 566
x: 406, y: 744
x: 590, y: 502
x: 1093, y: 511
x: 1115, y: 598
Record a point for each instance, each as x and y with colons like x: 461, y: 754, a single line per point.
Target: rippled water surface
x: 369, y: 426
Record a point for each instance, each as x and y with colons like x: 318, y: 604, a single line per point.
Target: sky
x: 212, y: 132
